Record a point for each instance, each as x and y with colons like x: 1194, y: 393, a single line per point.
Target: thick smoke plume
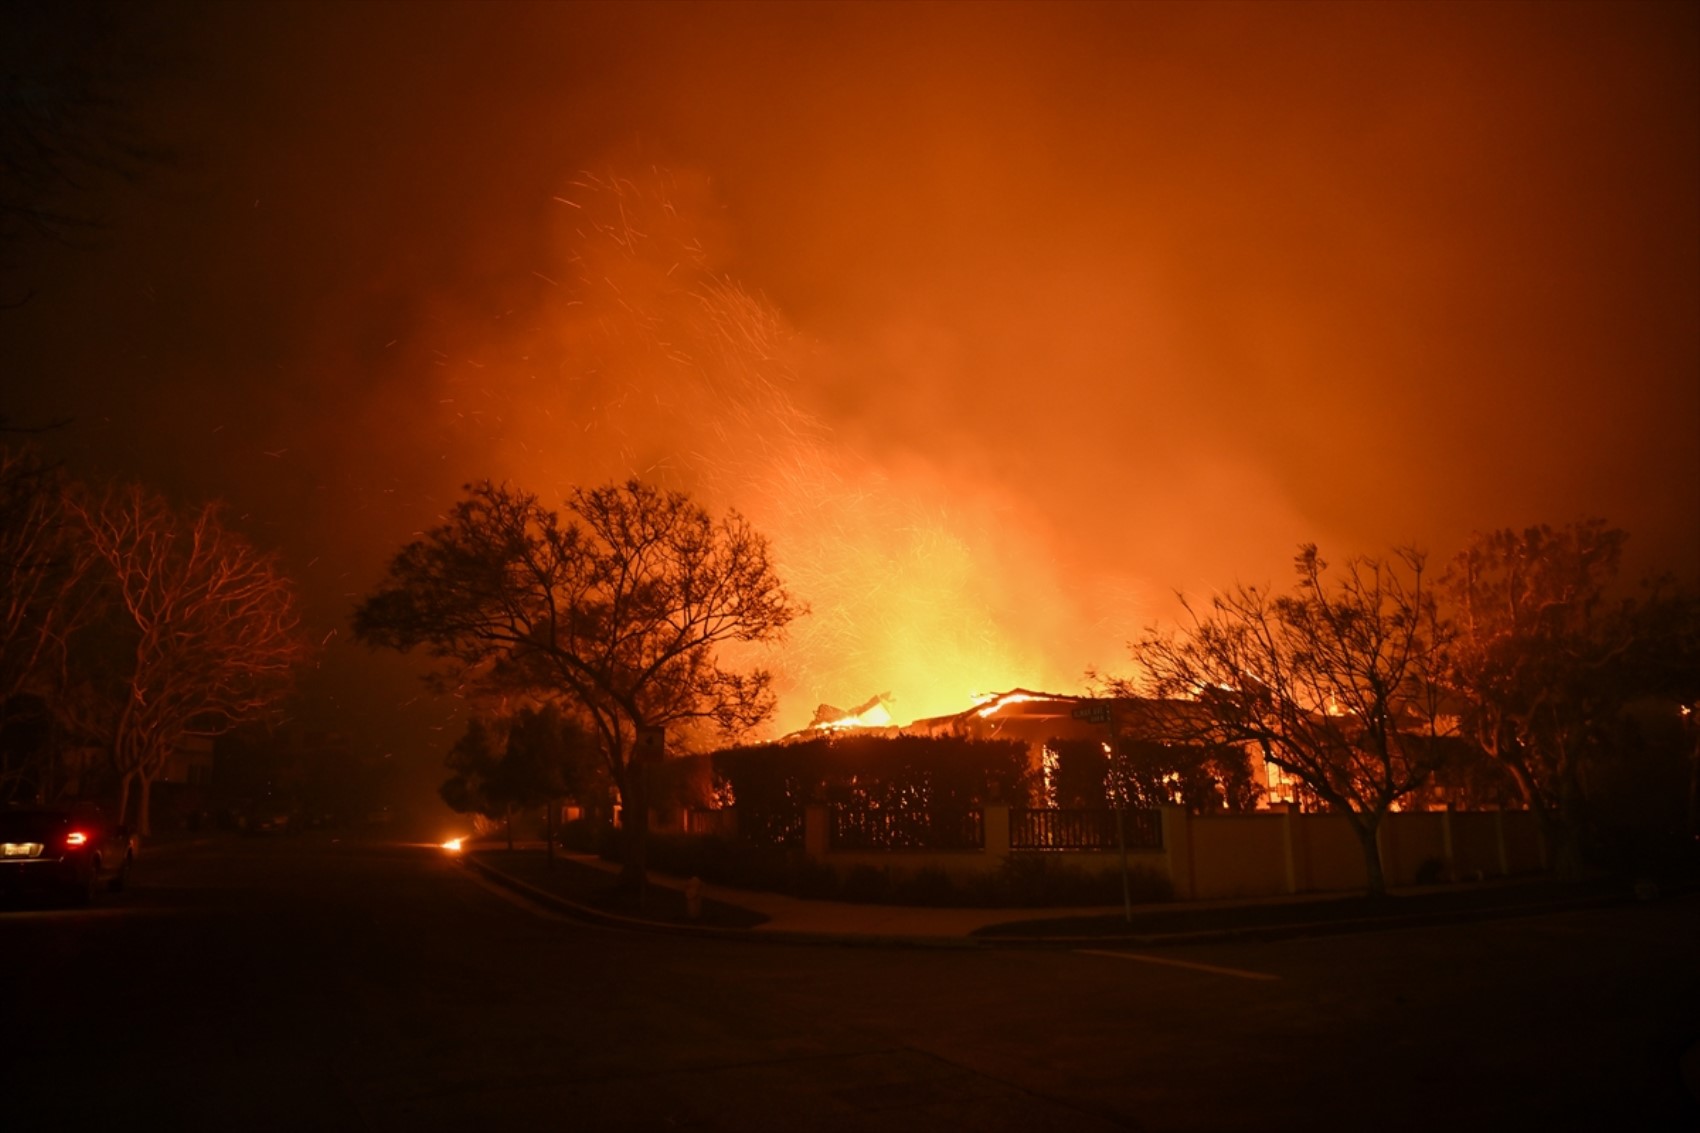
x: 641, y: 355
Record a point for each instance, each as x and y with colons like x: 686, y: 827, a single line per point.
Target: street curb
x: 972, y: 942
x: 1300, y: 929
x: 602, y: 917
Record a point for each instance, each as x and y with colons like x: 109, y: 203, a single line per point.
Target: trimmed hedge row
x: 771, y: 784
x: 1023, y: 882
x: 1150, y: 774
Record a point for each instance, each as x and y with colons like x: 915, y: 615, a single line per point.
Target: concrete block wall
x: 1263, y: 854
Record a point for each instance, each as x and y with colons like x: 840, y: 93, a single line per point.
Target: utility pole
x: 1118, y: 768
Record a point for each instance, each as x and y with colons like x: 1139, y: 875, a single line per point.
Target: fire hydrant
x: 693, y: 899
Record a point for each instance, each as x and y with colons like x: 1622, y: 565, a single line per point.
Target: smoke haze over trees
x: 1002, y: 326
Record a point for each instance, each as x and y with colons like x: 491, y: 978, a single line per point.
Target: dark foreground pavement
x: 312, y: 984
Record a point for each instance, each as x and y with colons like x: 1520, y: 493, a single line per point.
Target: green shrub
x: 1431, y: 871
x: 816, y: 881
x: 585, y: 835
x: 927, y: 887
x: 738, y: 864
x: 1026, y: 880
x: 1032, y: 880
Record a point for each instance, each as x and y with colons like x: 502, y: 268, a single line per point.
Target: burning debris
x: 871, y: 713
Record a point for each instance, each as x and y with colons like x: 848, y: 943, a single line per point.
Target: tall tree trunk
x: 144, y: 815
x: 124, y: 796
x: 1565, y: 835
x: 634, y: 831
x: 1375, y: 878
x: 125, y: 759
x: 1693, y: 720
x: 1564, y: 852
x: 1563, y: 842
x: 549, y: 809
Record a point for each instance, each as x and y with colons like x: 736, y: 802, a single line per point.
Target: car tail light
x: 76, y: 838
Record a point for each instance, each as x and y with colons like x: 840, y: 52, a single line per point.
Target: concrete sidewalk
x: 798, y: 919
x: 845, y: 919
x: 791, y: 917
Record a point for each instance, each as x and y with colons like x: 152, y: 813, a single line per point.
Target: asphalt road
x: 304, y: 983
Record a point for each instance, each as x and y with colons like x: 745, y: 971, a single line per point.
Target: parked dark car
x: 65, y: 851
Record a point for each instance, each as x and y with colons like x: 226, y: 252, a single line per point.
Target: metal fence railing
x: 767, y: 827
x: 859, y: 829
x: 721, y: 823
x: 1050, y: 828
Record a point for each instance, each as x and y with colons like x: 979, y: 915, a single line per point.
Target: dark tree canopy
x: 474, y: 763
x: 519, y: 761
x: 621, y: 608
x: 1550, y: 652
x: 1335, y: 682
x: 211, y: 626
x: 44, y: 577
x: 127, y: 625
x: 70, y: 74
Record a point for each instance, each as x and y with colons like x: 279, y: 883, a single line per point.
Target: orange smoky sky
x: 1003, y: 321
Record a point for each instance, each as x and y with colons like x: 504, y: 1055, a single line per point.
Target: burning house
x: 1058, y: 727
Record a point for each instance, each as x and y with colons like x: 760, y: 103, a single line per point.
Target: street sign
x: 1092, y: 711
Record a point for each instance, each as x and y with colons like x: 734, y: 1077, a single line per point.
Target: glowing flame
x: 989, y: 706
x: 453, y: 845
x: 875, y: 713
x: 876, y: 717
x: 871, y: 713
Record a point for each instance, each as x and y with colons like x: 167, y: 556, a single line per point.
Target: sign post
x: 649, y: 747
x: 1103, y: 712
x: 1092, y: 712
x: 1121, y: 824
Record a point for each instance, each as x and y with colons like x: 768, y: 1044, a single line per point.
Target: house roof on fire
x: 1039, y: 716
x: 1020, y: 713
